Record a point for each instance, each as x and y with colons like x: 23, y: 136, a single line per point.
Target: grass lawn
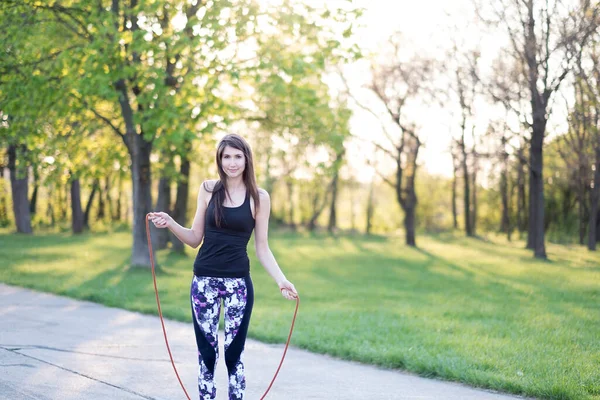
x: 482, y: 313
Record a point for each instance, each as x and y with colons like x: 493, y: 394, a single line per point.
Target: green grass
x: 468, y: 310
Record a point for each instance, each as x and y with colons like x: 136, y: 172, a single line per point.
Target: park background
x: 434, y: 169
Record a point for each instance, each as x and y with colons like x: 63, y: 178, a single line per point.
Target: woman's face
x: 233, y: 162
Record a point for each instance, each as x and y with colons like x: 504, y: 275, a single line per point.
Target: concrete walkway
x: 57, y: 348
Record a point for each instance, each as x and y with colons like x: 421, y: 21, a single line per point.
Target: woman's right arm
x: 192, y: 237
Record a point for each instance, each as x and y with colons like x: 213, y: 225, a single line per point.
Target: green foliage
x: 302, y: 126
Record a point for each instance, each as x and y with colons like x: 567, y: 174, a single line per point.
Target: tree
x: 396, y: 82
x: 586, y: 121
x: 154, y: 72
x: 464, y: 86
x: 575, y: 148
x: 539, y: 33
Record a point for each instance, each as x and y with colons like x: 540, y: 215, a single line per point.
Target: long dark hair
x: 220, y: 190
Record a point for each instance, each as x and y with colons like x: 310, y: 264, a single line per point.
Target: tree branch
x: 368, y: 109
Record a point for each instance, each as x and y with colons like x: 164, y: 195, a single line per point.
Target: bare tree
x: 574, y: 148
x: 461, y: 68
x: 465, y: 88
x: 397, y: 83
x: 507, y: 88
x: 587, y: 119
x: 475, y: 156
x: 540, y: 32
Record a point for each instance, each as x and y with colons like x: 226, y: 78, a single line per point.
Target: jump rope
x: 165, y: 331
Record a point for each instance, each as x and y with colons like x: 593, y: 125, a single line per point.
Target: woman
x: 228, y: 210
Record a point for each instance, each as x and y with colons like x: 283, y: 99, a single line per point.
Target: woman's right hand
x: 161, y: 219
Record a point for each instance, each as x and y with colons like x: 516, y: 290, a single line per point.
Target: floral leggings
x: 238, y: 297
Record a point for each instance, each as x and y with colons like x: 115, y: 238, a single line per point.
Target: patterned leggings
x: 238, y: 297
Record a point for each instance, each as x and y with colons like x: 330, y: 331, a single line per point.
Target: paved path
x: 57, y: 348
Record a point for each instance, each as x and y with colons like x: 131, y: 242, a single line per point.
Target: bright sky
x: 424, y: 24
x: 428, y: 27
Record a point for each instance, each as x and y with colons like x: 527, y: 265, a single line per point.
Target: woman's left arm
x: 263, y: 252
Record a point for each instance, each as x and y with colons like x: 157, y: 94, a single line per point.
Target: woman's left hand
x: 288, y: 290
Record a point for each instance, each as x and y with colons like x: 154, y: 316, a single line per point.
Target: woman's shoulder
x: 262, y: 193
x: 209, y: 184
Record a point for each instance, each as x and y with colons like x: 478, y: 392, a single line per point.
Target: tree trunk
x: 594, y: 194
x: 598, y: 227
x: 467, y: 191
x: 34, y: 195
x: 3, y: 199
x: 318, y: 205
x: 409, y: 225
x: 332, y: 225
x: 88, y: 205
x: 405, y: 182
x: 120, y: 194
x: 108, y: 198
x: 409, y: 204
x: 474, y: 195
x: 181, y: 202
x: 160, y: 237
x: 505, y: 219
x: 64, y: 192
x: 582, y: 209
x: 101, y: 214
x: 139, y: 151
x: 455, y: 168
x: 536, y: 196
x: 142, y: 200
x: 19, y: 186
x: 370, y: 207
x: 77, y: 218
x: 50, y: 208
x: 521, y: 196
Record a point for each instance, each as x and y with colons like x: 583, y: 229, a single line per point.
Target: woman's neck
x: 235, y: 183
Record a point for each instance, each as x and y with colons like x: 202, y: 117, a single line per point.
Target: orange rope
x: 165, y: 331
x: 286, y: 347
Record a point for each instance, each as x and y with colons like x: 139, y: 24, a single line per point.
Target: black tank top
x: 224, y: 250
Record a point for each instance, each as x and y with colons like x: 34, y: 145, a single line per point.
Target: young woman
x: 228, y: 210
